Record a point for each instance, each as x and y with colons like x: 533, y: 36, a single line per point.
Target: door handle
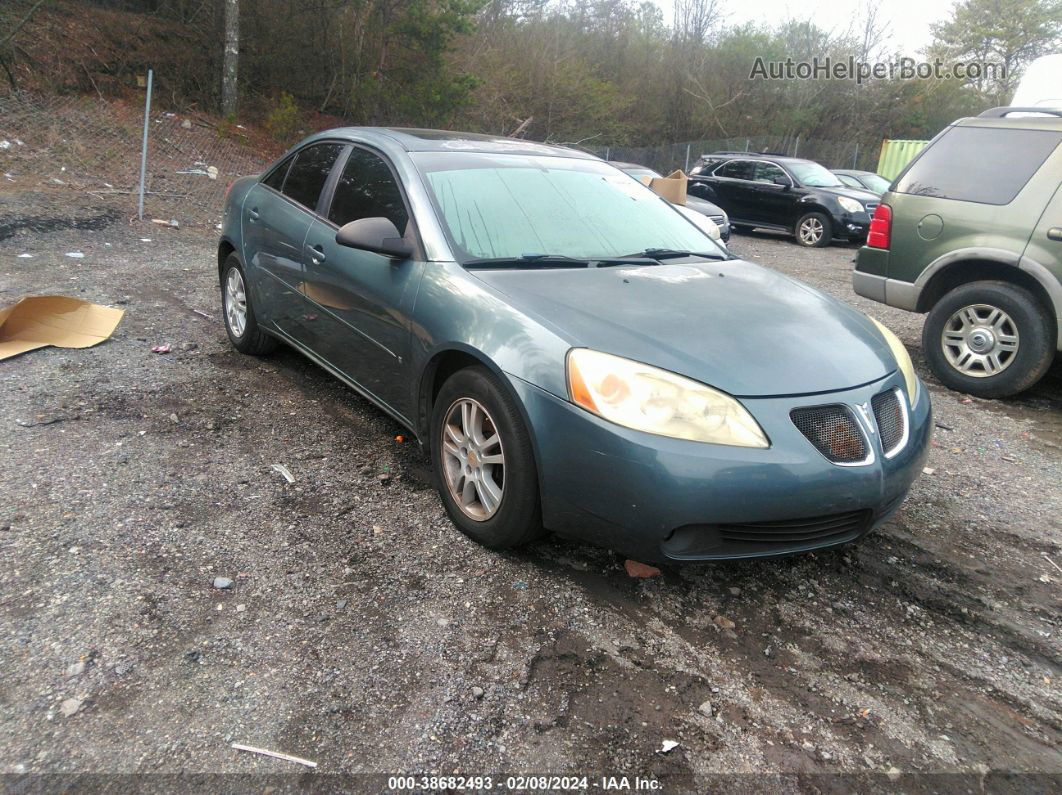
x: 1055, y: 233
x: 253, y: 214
x: 316, y: 253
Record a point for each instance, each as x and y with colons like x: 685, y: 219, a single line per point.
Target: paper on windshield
x: 44, y: 320
x: 672, y: 187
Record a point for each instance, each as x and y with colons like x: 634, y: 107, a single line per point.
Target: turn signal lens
x: 648, y: 399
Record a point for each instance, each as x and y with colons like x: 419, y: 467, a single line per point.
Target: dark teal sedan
x: 573, y: 353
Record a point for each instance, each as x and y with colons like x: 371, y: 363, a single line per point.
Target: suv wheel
x: 814, y: 231
x: 990, y: 339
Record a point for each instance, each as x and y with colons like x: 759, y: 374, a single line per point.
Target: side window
x: 735, y: 169
x: 308, y: 173
x: 367, y: 189
x: 989, y: 165
x: 766, y: 172
x: 851, y: 182
x: 276, y: 178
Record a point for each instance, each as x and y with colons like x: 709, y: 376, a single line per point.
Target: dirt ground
x: 363, y: 632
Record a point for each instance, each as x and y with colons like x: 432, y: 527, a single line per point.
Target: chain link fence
x: 71, y: 151
x: 667, y: 157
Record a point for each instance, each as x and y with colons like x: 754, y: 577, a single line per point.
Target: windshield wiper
x: 556, y: 261
x: 670, y: 253
x: 529, y: 260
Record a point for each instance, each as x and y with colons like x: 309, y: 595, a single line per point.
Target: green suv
x: 971, y: 232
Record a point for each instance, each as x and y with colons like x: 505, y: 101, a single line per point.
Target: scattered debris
x: 667, y: 746
x: 705, y: 709
x: 70, y: 706
x: 222, y: 583
x: 724, y: 622
x: 75, y: 254
x: 44, y: 320
x: 283, y: 470
x: 943, y: 427
x: 161, y: 348
x: 928, y: 470
x: 202, y: 313
x: 25, y: 256
x: 519, y: 586
x: 172, y: 223
x: 76, y: 669
x: 400, y: 438
x: 145, y: 240
x: 241, y: 608
x: 640, y: 570
x: 274, y: 754
x: 1048, y: 559
x: 477, y: 693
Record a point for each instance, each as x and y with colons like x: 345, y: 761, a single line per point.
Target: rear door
x: 1045, y: 245
x: 733, y: 180
x: 278, y: 213
x: 363, y: 300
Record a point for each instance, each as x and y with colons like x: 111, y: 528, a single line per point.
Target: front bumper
x: 660, y: 499
x: 853, y: 228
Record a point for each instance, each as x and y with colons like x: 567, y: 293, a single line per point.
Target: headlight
x: 851, y: 205
x: 648, y: 399
x: 903, y: 361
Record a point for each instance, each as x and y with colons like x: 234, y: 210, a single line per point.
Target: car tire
x: 470, y: 396
x: 241, y: 325
x: 963, y: 333
x: 813, y: 230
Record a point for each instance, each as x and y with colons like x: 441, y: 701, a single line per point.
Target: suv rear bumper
x: 868, y: 282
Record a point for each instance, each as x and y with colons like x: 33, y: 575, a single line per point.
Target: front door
x: 363, y: 299
x: 774, y: 202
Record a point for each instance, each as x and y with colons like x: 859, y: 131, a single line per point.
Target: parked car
x: 571, y: 352
x: 783, y: 193
x: 972, y: 235
x: 862, y: 180
x: 697, y: 205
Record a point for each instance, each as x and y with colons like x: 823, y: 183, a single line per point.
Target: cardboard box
x: 672, y: 187
x: 54, y: 320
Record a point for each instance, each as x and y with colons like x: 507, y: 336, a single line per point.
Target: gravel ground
x: 360, y: 630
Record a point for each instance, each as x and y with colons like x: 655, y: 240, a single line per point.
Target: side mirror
x: 783, y: 181
x: 375, y: 234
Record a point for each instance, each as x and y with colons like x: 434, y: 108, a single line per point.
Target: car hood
x: 703, y: 207
x: 862, y: 196
x: 739, y: 327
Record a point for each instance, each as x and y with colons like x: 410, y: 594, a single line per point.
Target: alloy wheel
x: 235, y: 302
x: 980, y: 340
x: 473, y: 459
x: 810, y: 231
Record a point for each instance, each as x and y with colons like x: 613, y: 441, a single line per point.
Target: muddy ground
x: 364, y: 633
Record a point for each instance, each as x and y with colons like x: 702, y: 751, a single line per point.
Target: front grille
x: 871, y: 207
x: 816, y: 528
x: 892, y: 422
x: 834, y: 432
x: 718, y: 219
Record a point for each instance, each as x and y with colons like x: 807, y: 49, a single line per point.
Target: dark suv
x: 783, y: 193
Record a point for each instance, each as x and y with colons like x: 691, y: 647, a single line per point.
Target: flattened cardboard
x: 672, y: 187
x: 44, y: 320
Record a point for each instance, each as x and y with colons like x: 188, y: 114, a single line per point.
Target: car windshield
x: 812, y: 175
x: 638, y: 173
x: 875, y: 183
x: 498, y: 206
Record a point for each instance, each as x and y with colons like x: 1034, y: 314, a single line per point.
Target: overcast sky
x: 908, y: 20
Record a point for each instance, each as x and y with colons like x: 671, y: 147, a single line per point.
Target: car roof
x: 413, y: 139
x: 757, y: 156
x: 1052, y: 123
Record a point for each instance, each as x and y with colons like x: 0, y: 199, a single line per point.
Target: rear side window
x: 367, y: 189
x: 276, y: 178
x: 735, y: 169
x: 988, y: 165
x: 308, y: 173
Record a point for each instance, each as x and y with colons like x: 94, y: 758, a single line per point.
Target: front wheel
x: 814, y: 231
x: 990, y: 339
x: 483, y: 461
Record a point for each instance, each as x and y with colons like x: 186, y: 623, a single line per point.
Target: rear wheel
x: 814, y: 230
x: 484, y: 465
x: 244, y: 332
x: 990, y: 339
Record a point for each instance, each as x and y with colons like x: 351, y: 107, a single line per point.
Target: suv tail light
x: 880, y: 234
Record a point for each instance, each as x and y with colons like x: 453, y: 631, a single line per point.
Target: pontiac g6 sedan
x: 573, y: 353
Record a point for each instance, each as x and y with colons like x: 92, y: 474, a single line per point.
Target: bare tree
x: 230, y: 65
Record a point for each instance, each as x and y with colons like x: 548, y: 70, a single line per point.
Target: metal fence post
x: 608, y: 151
x: 687, y: 168
x: 796, y: 147
x: 143, y: 146
x: 855, y: 156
